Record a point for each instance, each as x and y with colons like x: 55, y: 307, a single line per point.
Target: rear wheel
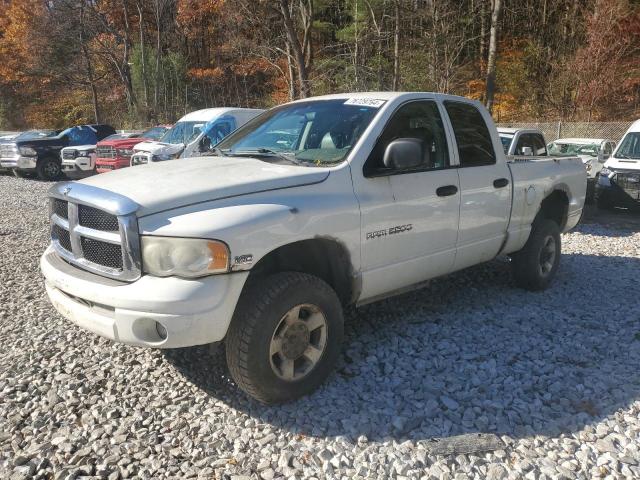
x: 49, y: 169
x: 285, y: 337
x: 535, y: 266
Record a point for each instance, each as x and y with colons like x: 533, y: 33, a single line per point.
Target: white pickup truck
x: 316, y: 204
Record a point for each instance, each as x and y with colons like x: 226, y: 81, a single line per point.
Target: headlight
x: 588, y: 165
x: 183, y: 257
x: 28, y: 152
x: 606, y: 172
x: 125, y: 152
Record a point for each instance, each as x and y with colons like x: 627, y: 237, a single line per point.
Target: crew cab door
x: 485, y: 185
x: 409, y: 217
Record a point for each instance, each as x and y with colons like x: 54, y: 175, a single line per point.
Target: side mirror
x: 205, y: 144
x: 601, y: 157
x: 405, y: 153
x: 527, y: 151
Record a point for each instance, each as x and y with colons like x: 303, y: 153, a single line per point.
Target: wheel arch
x: 555, y: 207
x: 324, y: 257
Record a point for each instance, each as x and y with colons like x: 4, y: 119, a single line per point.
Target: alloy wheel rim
x: 51, y: 169
x: 547, y: 255
x: 298, y: 342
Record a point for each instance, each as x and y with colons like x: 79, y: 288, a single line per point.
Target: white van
x: 619, y: 180
x: 193, y: 134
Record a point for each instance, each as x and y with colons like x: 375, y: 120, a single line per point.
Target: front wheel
x: 535, y: 266
x: 49, y: 169
x: 285, y: 337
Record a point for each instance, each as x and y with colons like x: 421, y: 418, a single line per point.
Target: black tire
x: 532, y: 267
x: 260, y: 314
x: 49, y: 169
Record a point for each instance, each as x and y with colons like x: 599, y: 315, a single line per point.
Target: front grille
x: 62, y: 236
x: 630, y: 183
x: 60, y: 208
x: 97, y: 219
x: 106, y: 152
x: 69, y: 154
x: 102, y: 253
x: 99, y: 241
x: 8, y: 150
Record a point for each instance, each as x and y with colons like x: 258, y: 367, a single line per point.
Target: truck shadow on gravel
x: 618, y: 222
x: 471, y: 353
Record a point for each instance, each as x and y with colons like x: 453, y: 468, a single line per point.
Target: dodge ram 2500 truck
x: 315, y: 205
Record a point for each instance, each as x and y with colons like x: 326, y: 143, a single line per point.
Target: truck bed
x: 533, y: 178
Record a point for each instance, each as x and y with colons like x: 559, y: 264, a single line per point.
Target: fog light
x: 162, y: 331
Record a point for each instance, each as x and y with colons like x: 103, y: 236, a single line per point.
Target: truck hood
x: 158, y: 147
x: 120, y: 143
x: 54, y: 142
x: 622, y: 164
x: 168, y: 185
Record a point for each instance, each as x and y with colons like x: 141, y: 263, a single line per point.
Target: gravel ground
x: 468, y: 378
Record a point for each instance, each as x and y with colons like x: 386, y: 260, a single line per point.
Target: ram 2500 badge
x: 315, y: 205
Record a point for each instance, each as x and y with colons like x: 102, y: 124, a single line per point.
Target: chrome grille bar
x: 126, y: 238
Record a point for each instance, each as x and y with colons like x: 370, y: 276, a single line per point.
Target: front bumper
x: 79, y: 167
x: 607, y: 189
x: 104, y: 165
x: 193, y: 312
x: 19, y: 162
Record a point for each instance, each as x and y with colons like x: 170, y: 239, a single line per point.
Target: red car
x: 114, y: 153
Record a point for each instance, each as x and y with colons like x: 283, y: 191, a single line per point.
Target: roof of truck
x: 511, y: 130
x: 207, y: 114
x: 380, y: 96
x: 635, y: 126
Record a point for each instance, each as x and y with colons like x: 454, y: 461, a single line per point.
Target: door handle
x: 446, y: 191
x: 500, y: 182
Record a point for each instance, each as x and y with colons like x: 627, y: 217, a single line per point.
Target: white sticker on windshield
x: 365, y: 102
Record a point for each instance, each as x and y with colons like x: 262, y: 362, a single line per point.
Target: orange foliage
x: 17, y: 43
x: 206, y: 74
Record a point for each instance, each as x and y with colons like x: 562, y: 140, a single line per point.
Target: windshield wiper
x: 215, y: 152
x: 621, y: 155
x: 266, y: 152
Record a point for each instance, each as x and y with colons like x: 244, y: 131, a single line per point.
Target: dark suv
x: 42, y: 155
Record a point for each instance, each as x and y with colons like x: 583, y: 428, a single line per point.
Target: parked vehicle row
x: 312, y: 206
x: 84, y: 150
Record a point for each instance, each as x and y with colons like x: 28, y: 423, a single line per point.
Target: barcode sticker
x: 365, y: 102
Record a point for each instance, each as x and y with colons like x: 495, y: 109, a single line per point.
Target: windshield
x: 154, y: 133
x: 506, y: 140
x: 183, y: 132
x: 318, y: 132
x: 629, y: 147
x: 35, y: 134
x: 562, y: 149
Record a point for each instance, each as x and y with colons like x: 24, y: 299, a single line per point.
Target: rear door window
x: 475, y: 147
x: 533, y: 141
